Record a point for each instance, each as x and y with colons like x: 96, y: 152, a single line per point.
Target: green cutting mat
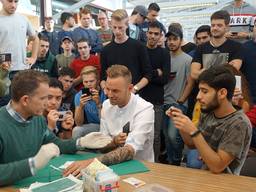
x: 48, y: 174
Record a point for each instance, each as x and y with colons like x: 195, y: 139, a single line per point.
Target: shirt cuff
x: 78, y: 146
x: 32, y: 167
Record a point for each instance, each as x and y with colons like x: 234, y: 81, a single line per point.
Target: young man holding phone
x: 242, y: 19
x: 88, y: 103
x: 223, y: 134
x: 176, y: 92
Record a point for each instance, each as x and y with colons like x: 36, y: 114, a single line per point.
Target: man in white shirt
x: 127, y: 118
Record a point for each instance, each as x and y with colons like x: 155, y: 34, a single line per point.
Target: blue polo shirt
x: 90, y: 108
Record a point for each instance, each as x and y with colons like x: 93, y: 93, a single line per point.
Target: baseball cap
x: 141, y: 10
x: 66, y: 37
x: 174, y: 31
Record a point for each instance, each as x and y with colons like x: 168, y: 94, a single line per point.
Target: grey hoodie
x: 242, y: 18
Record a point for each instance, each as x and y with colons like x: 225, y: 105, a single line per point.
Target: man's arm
x: 66, y: 146
x: 142, y: 83
x: 14, y: 171
x: 104, y: 66
x: 236, y: 55
x: 196, y: 70
x: 118, y: 155
x: 165, y: 69
x: 237, y: 63
x: 35, y: 48
x: 216, y: 161
x: 187, y: 90
x: 145, y: 66
x: 79, y: 115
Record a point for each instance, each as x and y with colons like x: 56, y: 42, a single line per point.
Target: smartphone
x: 238, y: 82
x: 86, y: 91
x: 62, y: 115
x: 126, y: 128
x: 5, y: 57
x: 234, y: 33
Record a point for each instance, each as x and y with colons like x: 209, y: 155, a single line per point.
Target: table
x: 182, y: 179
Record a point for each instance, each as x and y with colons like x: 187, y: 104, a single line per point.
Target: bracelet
x: 195, y: 133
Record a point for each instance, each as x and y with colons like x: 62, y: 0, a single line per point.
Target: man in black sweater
x: 126, y: 51
x: 154, y: 91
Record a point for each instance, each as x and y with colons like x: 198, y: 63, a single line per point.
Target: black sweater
x: 132, y: 54
x: 154, y: 91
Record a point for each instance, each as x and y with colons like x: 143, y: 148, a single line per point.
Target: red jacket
x: 252, y: 116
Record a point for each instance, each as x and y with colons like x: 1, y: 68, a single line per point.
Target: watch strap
x: 195, y: 133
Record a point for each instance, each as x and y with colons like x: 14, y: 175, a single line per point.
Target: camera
x: 62, y: 115
x: 5, y: 57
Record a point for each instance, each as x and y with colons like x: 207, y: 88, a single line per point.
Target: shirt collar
x: 16, y: 115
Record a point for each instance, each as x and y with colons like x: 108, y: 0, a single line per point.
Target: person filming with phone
x: 88, y: 102
x: 223, y: 134
x: 60, y: 122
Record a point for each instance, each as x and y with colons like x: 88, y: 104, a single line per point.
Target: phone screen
x: 4, y: 57
x: 238, y: 82
x: 126, y: 128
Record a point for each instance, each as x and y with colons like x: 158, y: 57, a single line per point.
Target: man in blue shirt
x: 88, y: 104
x: 84, y: 31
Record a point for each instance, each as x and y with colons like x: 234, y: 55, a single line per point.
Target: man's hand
x: 68, y: 121
x: 46, y: 153
x: 230, y: 35
x: 52, y: 118
x: 238, y: 35
x: 95, y: 96
x: 120, y: 139
x: 160, y: 72
x: 84, y: 99
x: 242, y: 35
x: 5, y: 65
x: 30, y: 61
x: 76, y: 167
x: 181, y: 121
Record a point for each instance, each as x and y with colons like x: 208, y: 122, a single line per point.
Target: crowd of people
x: 129, y: 90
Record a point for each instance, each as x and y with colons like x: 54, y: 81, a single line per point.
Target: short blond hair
x: 89, y: 70
x: 119, y: 15
x: 116, y: 71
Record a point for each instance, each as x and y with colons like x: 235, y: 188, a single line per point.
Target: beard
x: 214, y: 104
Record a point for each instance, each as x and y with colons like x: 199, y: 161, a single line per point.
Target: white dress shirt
x: 140, y: 114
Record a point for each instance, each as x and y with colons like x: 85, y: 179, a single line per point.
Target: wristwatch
x: 195, y: 133
x: 180, y: 102
x: 136, y: 88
